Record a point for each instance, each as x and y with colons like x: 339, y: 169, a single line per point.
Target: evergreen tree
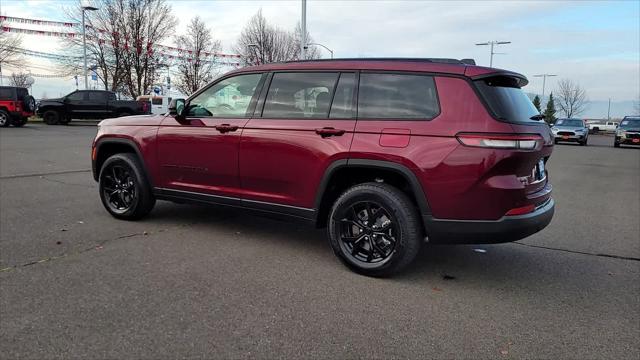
x: 536, y: 103
x: 550, y: 111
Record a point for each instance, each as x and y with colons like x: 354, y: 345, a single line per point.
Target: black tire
x: 399, y: 235
x: 19, y: 122
x: 29, y: 103
x: 51, y: 117
x: 616, y: 144
x: 124, y: 189
x: 5, y: 118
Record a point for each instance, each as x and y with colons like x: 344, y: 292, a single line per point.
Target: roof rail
x: 430, y: 60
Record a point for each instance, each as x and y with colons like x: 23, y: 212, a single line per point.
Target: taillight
x: 501, y: 141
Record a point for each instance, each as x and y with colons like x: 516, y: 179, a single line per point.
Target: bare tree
x: 20, y: 79
x: 198, y: 67
x: 9, y: 43
x: 571, y: 98
x: 120, y: 42
x: 261, y: 42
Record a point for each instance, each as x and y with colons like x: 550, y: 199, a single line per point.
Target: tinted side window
x: 78, y: 95
x: 343, y: 105
x: 228, y: 98
x: 111, y: 96
x: 6, y: 94
x: 299, y: 95
x: 97, y: 96
x: 397, y: 96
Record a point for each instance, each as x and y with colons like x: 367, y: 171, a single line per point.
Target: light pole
x: 84, y: 44
x: 493, y: 43
x: 544, y: 81
x: 303, y: 31
x: 326, y: 48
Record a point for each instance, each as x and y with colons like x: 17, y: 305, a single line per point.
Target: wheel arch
x: 108, y: 146
x: 344, y: 173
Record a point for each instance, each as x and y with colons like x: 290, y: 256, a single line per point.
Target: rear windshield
x: 569, y: 122
x: 506, y: 100
x: 632, y: 123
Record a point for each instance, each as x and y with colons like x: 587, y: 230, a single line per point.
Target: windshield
x: 507, y: 101
x: 570, y: 122
x: 632, y: 123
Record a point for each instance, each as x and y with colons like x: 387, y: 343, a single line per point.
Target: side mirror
x: 177, y: 108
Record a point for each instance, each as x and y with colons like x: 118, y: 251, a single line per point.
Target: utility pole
x: 84, y: 44
x: 544, y: 80
x: 492, y: 44
x: 609, y: 111
x: 303, y: 30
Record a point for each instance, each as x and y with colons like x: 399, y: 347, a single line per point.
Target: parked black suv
x: 88, y: 104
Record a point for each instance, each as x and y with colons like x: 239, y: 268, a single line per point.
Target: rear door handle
x: 224, y: 128
x: 329, y: 131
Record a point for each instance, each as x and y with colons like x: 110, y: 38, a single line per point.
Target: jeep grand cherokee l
x: 385, y: 153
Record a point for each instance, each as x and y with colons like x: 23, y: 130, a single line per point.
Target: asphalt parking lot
x: 193, y: 281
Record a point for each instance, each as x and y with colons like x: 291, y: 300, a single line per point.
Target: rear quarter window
x: 397, y: 96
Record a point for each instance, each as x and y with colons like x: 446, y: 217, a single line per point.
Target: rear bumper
x: 506, y: 229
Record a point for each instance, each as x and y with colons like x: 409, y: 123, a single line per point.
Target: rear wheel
x: 616, y: 144
x: 51, y: 117
x: 374, y: 229
x: 124, y: 189
x: 5, y: 118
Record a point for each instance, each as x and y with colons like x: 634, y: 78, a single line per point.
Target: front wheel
x: 374, y: 229
x: 124, y: 189
x: 51, y: 117
x: 616, y: 144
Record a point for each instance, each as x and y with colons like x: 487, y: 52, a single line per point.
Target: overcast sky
x: 594, y: 43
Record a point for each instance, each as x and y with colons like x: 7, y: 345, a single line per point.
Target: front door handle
x: 225, y: 128
x: 329, y: 131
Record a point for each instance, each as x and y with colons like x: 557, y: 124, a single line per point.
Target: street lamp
x: 84, y: 44
x: 316, y: 44
x: 544, y: 80
x: 493, y: 43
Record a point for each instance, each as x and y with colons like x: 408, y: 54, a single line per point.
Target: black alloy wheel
x: 368, y: 233
x: 375, y: 229
x: 119, y: 188
x: 124, y: 189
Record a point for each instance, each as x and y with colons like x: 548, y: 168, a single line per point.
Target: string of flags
x: 169, y: 52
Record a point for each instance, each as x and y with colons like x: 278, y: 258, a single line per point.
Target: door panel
x: 284, y: 153
x: 200, y: 154
x: 282, y: 161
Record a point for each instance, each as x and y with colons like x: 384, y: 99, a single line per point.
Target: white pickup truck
x: 609, y: 126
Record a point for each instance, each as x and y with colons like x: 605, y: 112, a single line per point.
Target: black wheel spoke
x: 366, y: 232
x: 118, y: 187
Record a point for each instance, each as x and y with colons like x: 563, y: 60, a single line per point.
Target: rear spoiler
x: 521, y: 79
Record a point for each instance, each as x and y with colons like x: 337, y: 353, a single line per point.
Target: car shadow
x: 435, y: 266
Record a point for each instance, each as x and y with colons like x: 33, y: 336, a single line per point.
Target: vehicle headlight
x: 579, y: 130
x: 620, y: 133
x: 554, y: 129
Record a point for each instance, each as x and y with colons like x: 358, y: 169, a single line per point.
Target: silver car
x: 574, y: 130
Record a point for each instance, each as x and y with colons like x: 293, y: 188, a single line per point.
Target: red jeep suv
x: 386, y: 153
